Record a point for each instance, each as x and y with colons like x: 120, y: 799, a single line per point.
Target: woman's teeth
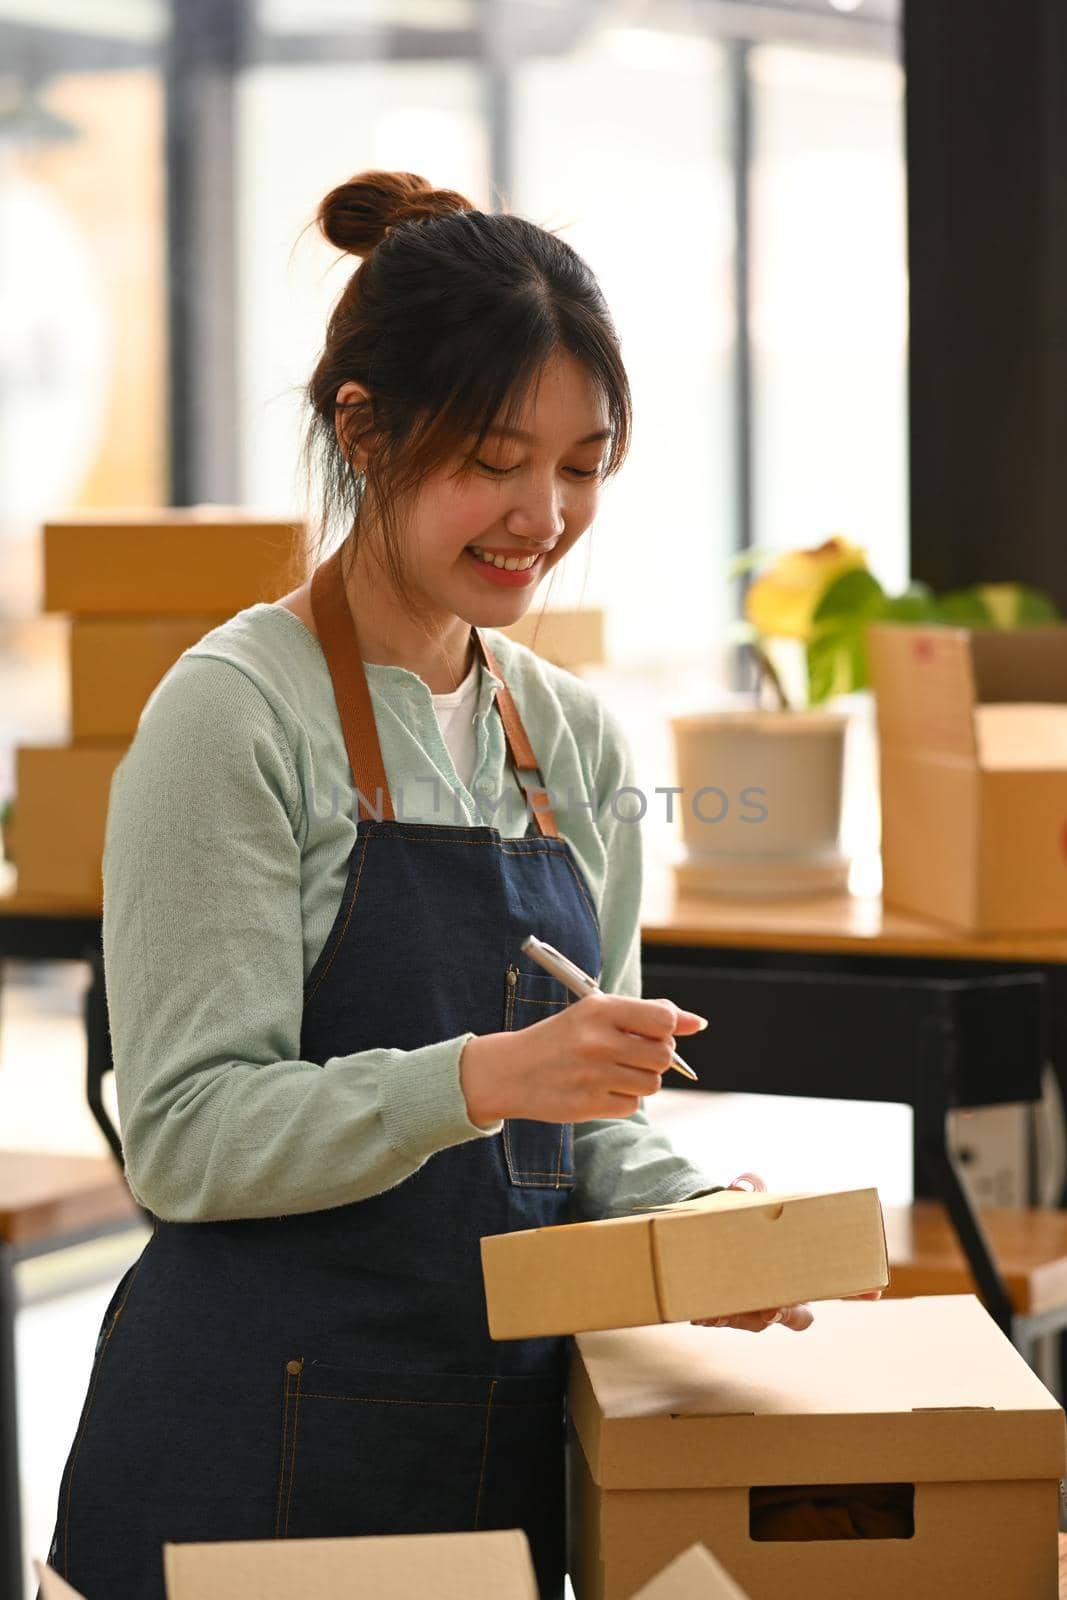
x: 508, y: 563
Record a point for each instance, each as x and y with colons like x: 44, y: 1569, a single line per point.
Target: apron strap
x: 337, y: 635
x: 520, y: 749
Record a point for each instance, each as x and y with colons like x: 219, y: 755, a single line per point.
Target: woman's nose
x: 537, y: 514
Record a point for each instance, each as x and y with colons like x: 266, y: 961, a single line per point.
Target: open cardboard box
x: 972, y: 730
x: 918, y: 1416
x: 442, y: 1566
x: 713, y: 1256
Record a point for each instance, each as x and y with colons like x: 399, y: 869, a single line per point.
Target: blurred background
x: 733, y: 173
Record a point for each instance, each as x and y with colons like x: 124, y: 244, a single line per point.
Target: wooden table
x: 837, y: 995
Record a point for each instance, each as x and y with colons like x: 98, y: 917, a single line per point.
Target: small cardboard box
x: 710, y: 1257
x: 972, y: 728
x: 59, y: 817
x: 680, y: 1434
x: 695, y: 1575
x: 116, y: 663
x: 424, y: 1566
x: 213, y: 559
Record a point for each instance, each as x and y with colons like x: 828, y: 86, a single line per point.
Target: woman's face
x: 527, y: 500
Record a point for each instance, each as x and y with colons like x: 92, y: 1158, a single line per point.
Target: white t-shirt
x: 455, y: 717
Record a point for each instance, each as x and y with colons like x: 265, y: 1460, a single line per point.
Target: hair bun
x: 357, y: 215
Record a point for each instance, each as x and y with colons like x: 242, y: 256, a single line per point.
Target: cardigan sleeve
x: 203, y: 958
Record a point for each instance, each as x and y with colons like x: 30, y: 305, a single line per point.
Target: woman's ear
x: 347, y: 395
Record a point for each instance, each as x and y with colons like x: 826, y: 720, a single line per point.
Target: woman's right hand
x: 597, y: 1058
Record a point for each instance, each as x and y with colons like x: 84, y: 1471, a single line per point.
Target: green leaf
x: 916, y: 604
x: 837, y: 663
x: 963, y: 608
x: 856, y: 593
x: 1035, y: 607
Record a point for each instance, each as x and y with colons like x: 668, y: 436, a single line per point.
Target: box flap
x: 447, y: 1566
x: 924, y: 687
x: 53, y: 1587
x: 694, y: 1575
x: 888, y: 1391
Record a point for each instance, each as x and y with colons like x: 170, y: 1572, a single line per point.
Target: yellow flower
x: 782, y: 601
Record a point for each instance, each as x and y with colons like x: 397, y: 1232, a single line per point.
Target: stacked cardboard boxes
x: 139, y: 589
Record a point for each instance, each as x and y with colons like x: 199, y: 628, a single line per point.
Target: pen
x: 580, y: 983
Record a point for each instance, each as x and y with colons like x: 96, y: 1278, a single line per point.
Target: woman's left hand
x: 795, y: 1317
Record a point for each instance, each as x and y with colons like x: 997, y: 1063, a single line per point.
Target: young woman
x: 339, y: 818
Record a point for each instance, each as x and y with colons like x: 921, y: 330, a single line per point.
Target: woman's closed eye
x: 503, y: 472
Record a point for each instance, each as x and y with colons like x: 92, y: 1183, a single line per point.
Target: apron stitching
x: 485, y: 1453
x: 281, y: 1471
x: 292, y: 1456
x: 583, y: 891
x: 98, y: 1365
x: 382, y: 1400
x: 341, y: 935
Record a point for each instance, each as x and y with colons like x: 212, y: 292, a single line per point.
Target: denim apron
x: 331, y: 1373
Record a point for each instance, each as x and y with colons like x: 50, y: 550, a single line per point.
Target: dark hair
x: 444, y: 291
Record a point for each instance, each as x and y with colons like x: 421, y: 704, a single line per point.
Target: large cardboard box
x: 694, y: 1575
x: 915, y: 1419
x: 59, y: 818
x: 426, y: 1566
x: 213, y: 559
x: 972, y: 727
x: 710, y: 1257
x: 116, y: 663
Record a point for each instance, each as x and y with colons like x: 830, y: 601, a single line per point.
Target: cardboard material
x: 213, y: 559
x: 570, y: 639
x: 695, y: 1575
x: 672, y: 1428
x: 710, y: 1257
x: 972, y: 727
x: 116, y: 663
x: 59, y: 817
x: 429, y: 1566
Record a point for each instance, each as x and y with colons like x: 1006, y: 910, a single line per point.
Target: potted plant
x: 762, y: 786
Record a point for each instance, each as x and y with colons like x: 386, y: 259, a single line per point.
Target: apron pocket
x: 371, y: 1452
x: 539, y: 1155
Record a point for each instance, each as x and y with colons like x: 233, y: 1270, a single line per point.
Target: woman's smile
x: 510, y: 569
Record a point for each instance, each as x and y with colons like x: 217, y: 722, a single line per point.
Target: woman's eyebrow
x: 529, y: 438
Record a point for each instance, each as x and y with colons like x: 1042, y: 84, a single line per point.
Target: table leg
x: 937, y: 1071
x: 11, y: 1584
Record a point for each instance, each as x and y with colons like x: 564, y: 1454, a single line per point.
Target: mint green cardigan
x: 228, y: 836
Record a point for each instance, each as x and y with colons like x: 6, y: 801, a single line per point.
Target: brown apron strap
x: 337, y: 635
x: 520, y: 750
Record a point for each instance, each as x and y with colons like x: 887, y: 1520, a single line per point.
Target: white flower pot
x: 761, y: 802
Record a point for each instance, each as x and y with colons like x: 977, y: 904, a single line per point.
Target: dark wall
x: 987, y: 221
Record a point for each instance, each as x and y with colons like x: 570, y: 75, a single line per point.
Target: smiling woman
x: 337, y: 1071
